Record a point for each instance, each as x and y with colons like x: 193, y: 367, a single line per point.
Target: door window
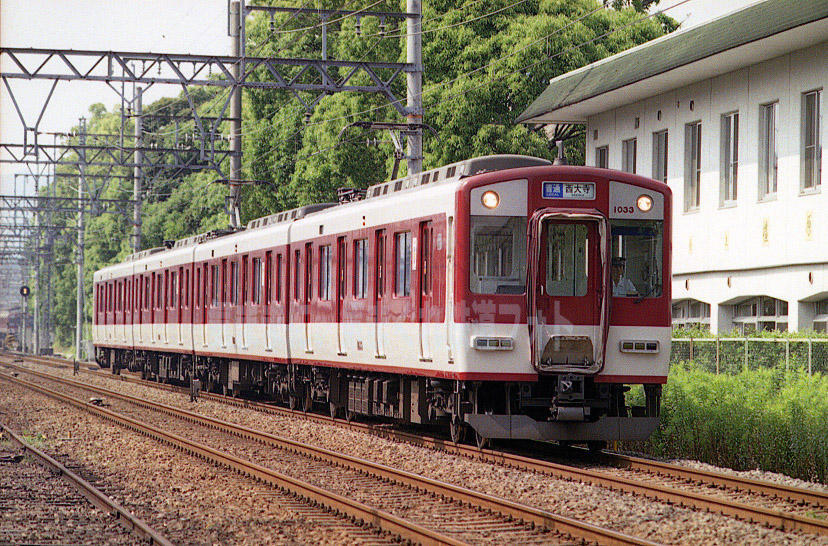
x: 567, y: 259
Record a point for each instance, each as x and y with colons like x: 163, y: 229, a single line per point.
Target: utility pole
x: 235, y: 31
x: 79, y: 303
x: 137, y: 171
x: 36, y: 332
x: 414, y: 81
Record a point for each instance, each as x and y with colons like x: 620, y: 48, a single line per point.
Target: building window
x: 729, y: 159
x: 768, y: 150
x: 691, y: 314
x: 660, y: 156
x: 821, y: 316
x: 402, y: 253
x: 761, y: 313
x: 602, y: 157
x: 629, y: 150
x: 361, y: 268
x: 325, y: 272
x: 692, y: 166
x: 811, y: 140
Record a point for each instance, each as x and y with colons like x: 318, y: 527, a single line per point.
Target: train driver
x: 621, y: 285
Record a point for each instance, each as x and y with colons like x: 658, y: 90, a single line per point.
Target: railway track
x: 775, y: 518
x: 96, y: 497
x: 508, y: 519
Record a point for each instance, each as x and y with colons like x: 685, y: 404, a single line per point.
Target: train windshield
x: 637, y: 258
x: 498, y: 254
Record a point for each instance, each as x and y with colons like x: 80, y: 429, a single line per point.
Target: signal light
x: 490, y: 199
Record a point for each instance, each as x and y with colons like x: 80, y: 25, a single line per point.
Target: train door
x: 223, y: 303
x: 340, y: 292
x: 379, y: 292
x: 425, y: 294
x: 567, y: 307
x: 268, y: 299
x: 181, y: 303
x: 242, y: 313
x: 306, y: 313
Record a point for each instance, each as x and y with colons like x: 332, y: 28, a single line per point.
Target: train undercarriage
x: 568, y: 408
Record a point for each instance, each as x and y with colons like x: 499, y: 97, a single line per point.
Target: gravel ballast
x: 653, y: 520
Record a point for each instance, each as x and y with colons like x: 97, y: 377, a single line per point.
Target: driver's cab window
x: 498, y: 254
x: 636, y: 258
x: 567, y: 259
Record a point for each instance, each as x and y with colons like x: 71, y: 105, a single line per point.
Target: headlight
x: 490, y: 199
x: 645, y: 203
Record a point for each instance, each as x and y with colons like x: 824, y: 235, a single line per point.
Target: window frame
x: 602, y: 156
x: 812, y: 183
x: 729, y: 159
x: 659, y: 154
x: 360, y: 258
x: 692, y: 165
x: 628, y: 155
x: 768, y: 145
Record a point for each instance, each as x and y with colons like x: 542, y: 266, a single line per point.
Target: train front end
x: 563, y: 303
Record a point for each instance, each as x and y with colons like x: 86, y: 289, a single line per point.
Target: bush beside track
x: 766, y: 418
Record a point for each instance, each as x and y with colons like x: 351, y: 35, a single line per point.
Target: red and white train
x: 501, y: 294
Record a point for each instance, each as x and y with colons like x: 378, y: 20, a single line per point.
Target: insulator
x: 382, y: 26
x: 307, y: 117
x: 358, y: 27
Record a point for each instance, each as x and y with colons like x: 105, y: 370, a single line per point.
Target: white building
x: 730, y: 115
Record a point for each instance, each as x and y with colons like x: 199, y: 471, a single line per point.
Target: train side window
x: 224, y: 282
x: 380, y: 264
x: 147, y: 292
x: 497, y: 261
x: 187, y: 291
x: 234, y: 282
x: 278, y: 279
x: 360, y: 268
x: 297, y: 283
x: 308, y: 272
x: 402, y: 264
x: 216, y: 284
x: 197, y: 302
x: 425, y: 261
x: 256, y: 282
x: 325, y: 272
x: 172, y: 295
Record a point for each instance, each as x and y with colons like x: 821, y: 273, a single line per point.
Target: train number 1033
x: 623, y: 209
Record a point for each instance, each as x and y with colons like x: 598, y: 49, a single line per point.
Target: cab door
x: 568, y: 299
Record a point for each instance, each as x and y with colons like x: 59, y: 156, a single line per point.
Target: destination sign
x: 569, y: 190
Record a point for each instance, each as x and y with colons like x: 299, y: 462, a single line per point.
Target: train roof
x: 453, y: 172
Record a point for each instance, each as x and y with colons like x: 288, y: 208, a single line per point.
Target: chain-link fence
x: 733, y: 354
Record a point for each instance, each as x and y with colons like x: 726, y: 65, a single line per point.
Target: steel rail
x: 521, y: 512
x: 770, y: 517
x: 336, y: 503
x: 93, y: 494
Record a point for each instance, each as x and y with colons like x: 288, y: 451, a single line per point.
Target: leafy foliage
x: 764, y: 418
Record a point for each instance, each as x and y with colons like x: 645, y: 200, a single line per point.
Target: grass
x: 768, y: 419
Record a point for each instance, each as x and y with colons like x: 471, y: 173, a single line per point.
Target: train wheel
x: 457, y: 430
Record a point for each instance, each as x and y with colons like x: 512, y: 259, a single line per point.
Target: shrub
x: 759, y: 418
